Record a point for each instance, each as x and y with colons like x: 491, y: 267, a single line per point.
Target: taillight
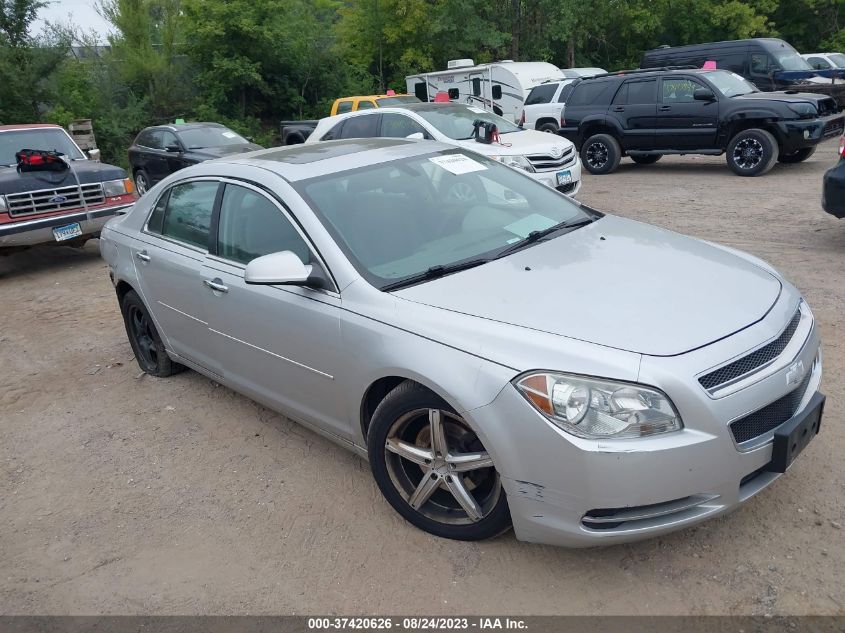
x: 562, y: 120
x: 842, y: 147
x: 522, y: 119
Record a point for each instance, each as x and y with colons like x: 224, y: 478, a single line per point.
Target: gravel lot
x: 121, y: 493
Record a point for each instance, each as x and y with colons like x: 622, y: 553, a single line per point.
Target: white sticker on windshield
x: 530, y: 223
x: 476, y: 110
x: 457, y: 164
x: 230, y: 135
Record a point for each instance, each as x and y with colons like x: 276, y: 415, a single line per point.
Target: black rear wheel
x: 144, y: 339
x: 601, y: 154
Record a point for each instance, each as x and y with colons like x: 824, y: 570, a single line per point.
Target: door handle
x: 664, y: 108
x: 619, y: 108
x: 142, y: 255
x: 215, y: 284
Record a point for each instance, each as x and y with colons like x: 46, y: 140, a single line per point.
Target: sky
x: 83, y: 12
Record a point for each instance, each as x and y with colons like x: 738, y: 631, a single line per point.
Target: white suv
x: 543, y: 106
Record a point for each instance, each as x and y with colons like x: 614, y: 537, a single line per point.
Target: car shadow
x: 45, y: 257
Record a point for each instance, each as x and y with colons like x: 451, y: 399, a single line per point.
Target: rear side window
x: 365, y: 105
x: 637, y: 92
x: 188, y: 215
x: 334, y: 133
x: 344, y: 106
x: 361, y: 127
x: 157, y: 216
x: 541, y: 94
x: 592, y: 93
x: 565, y: 92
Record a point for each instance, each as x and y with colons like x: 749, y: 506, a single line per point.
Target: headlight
x: 519, y: 162
x: 113, y: 188
x: 804, y: 110
x: 3, y: 207
x: 593, y: 408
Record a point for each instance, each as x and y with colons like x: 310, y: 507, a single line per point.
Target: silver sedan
x: 518, y: 360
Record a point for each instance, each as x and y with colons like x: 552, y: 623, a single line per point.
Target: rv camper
x: 500, y: 87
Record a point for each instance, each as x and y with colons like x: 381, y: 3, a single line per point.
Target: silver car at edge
x: 520, y: 360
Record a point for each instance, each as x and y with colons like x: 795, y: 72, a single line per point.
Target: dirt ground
x: 124, y: 494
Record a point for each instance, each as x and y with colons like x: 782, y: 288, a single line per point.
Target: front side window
x: 397, y: 220
x: 48, y: 139
x: 400, y: 126
x: 365, y: 126
x: 759, y: 64
x: 168, y: 139
x: 252, y: 225
x: 818, y: 63
x: 188, y: 215
x: 679, y: 90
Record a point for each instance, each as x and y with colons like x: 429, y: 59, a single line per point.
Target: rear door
x: 683, y: 122
x: 168, y: 260
x: 635, y: 107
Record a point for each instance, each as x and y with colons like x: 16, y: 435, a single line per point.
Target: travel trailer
x: 500, y: 87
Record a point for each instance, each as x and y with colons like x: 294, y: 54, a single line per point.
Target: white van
x: 500, y: 87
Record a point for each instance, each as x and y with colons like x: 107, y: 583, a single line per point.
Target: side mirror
x: 94, y: 154
x: 703, y: 94
x: 174, y: 149
x: 417, y: 136
x: 282, y: 268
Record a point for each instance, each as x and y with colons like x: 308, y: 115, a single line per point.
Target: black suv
x: 645, y: 114
x: 160, y: 150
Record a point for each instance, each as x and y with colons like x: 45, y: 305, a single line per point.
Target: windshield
x: 455, y: 121
x: 49, y: 139
x: 199, y: 137
x: 386, y: 102
x: 729, y: 84
x: 838, y: 59
x: 790, y: 60
x: 400, y: 219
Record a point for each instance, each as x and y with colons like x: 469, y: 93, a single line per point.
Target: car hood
x: 87, y: 171
x: 524, y: 142
x: 785, y: 97
x: 616, y: 283
x: 208, y: 153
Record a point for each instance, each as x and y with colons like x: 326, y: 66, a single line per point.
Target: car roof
x: 28, y: 126
x: 645, y: 72
x: 180, y: 127
x: 300, y: 162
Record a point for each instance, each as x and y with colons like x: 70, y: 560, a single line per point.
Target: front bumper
x: 549, y: 178
x: 40, y: 230
x: 833, y: 190
x: 799, y: 133
x: 564, y: 490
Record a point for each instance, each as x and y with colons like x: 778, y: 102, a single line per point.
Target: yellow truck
x: 295, y: 132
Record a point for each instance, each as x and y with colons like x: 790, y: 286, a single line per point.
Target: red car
x: 67, y: 204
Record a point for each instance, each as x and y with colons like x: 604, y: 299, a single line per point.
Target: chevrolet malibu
x: 518, y: 360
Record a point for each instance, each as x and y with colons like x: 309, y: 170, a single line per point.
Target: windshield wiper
x: 434, y: 272
x: 535, y: 236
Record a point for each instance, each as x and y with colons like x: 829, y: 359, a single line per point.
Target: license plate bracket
x: 793, y: 435
x: 67, y: 232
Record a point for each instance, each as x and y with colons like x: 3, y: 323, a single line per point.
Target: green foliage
x: 250, y: 63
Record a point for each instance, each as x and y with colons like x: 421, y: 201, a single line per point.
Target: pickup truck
x: 295, y: 132
x: 67, y: 206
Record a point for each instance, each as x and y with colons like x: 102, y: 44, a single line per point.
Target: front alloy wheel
x: 432, y: 467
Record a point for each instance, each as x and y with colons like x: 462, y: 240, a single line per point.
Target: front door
x: 635, y: 107
x: 279, y: 344
x: 168, y: 263
x: 683, y: 122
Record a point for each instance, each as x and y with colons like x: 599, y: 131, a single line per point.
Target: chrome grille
x: 771, y: 416
x: 544, y: 162
x: 752, y: 361
x: 49, y: 200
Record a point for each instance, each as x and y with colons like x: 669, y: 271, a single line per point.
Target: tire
x: 143, y: 337
x: 752, y: 152
x: 797, y: 157
x: 406, y: 420
x: 647, y: 159
x: 601, y: 154
x: 549, y: 126
x: 142, y: 182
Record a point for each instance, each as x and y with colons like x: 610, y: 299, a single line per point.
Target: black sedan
x: 833, y: 191
x: 160, y: 150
